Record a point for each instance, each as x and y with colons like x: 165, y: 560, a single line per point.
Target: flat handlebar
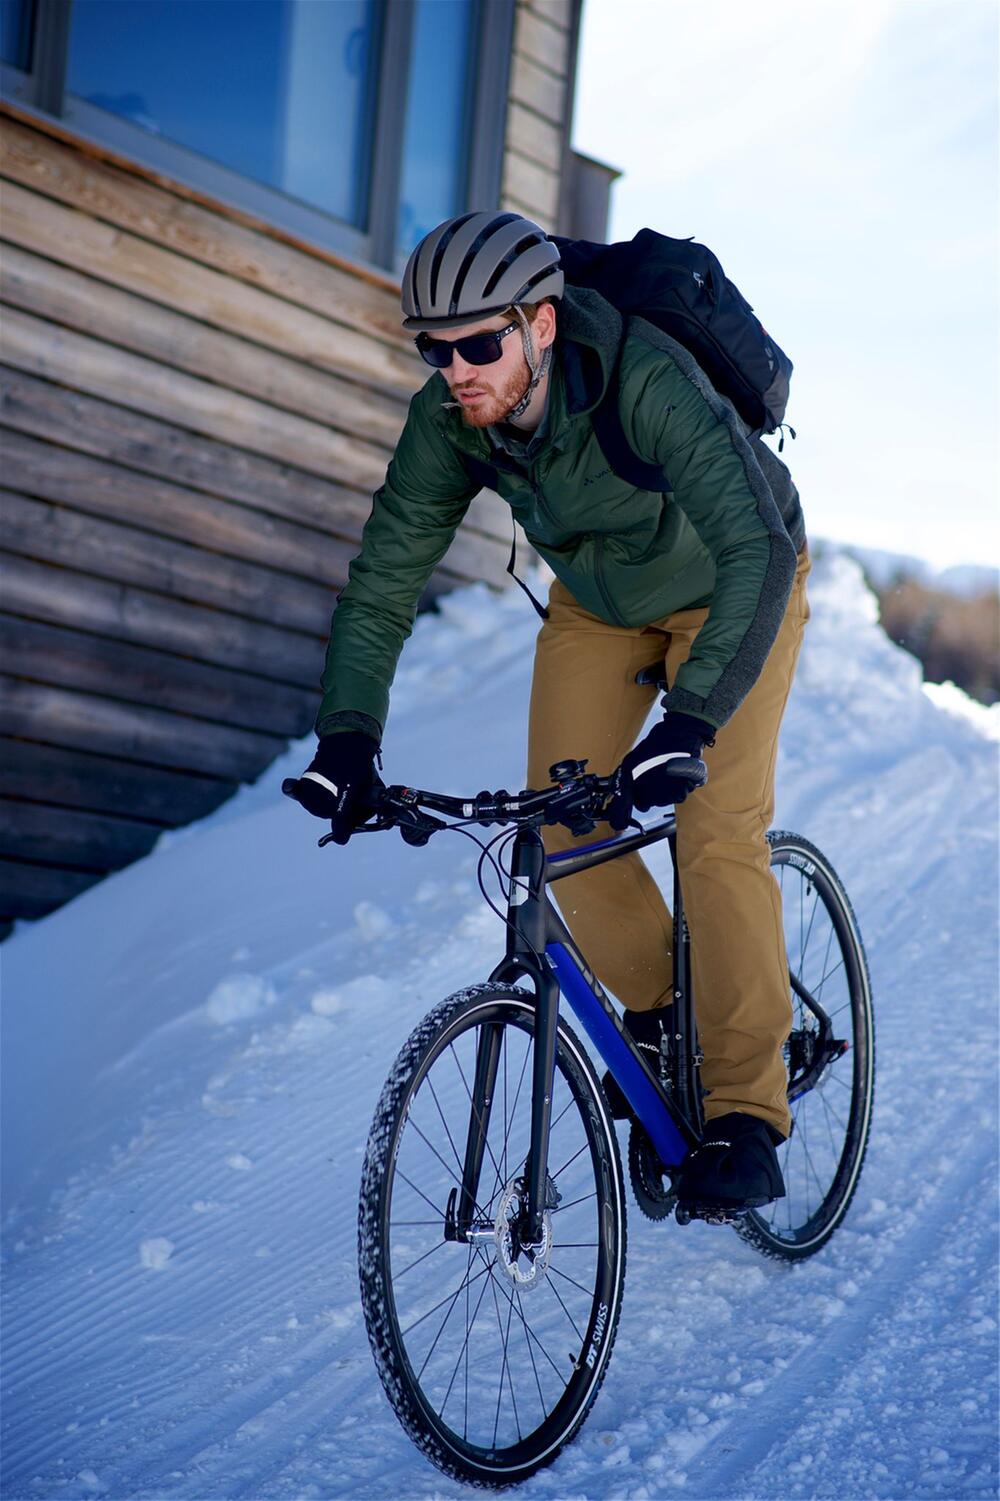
x: 576, y: 799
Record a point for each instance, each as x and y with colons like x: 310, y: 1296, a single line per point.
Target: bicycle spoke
x: 398, y: 1275
x: 528, y: 1329
x: 569, y: 1163
x: 567, y: 1278
x: 839, y: 965
x: 444, y: 1164
x: 562, y: 1305
x: 812, y: 918
x: 531, y: 1353
x: 562, y: 1112
x: 469, y: 1329
x: 829, y: 1128
x: 417, y: 1322
x: 416, y: 1190
x: 467, y: 1284
x: 561, y: 1208
x: 812, y: 1169
x: 827, y: 1106
x: 447, y: 1129
x: 504, y: 1368
x: 501, y: 1182
x: 826, y: 960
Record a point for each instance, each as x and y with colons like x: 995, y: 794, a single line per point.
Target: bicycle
x: 492, y: 1221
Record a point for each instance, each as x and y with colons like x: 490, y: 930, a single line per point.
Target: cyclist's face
x: 487, y: 392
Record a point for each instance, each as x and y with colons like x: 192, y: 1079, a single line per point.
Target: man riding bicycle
x: 708, y: 579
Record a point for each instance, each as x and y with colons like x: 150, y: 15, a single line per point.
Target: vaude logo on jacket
x: 591, y: 479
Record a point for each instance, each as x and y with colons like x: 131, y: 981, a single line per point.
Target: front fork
x: 525, y: 957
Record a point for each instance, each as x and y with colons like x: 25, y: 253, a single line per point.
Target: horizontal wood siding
x: 194, y: 413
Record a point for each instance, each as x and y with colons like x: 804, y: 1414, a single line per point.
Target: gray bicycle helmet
x: 475, y: 266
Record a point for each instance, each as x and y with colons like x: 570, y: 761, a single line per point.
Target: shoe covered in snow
x: 645, y: 1029
x: 735, y: 1167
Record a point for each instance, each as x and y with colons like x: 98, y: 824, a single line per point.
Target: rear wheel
x: 491, y: 1352
x: 831, y: 1069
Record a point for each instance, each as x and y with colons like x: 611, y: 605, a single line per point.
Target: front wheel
x: 831, y: 1070
x: 491, y: 1352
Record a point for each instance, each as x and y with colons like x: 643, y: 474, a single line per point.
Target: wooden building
x: 202, y: 376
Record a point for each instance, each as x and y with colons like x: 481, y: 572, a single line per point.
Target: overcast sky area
x: 840, y: 158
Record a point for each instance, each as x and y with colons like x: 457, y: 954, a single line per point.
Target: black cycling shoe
x: 645, y: 1029
x: 734, y: 1168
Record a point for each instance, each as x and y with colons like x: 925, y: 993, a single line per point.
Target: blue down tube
x: 603, y: 1033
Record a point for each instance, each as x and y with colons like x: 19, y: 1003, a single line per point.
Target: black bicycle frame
x: 540, y: 950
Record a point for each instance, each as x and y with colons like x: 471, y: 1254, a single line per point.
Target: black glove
x: 644, y: 775
x: 339, y: 781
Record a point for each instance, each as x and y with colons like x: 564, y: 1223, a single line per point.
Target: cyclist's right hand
x: 338, y: 782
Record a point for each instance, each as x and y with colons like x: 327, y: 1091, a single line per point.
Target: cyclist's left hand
x: 644, y: 776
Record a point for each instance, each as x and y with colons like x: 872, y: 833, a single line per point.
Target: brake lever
x: 574, y: 807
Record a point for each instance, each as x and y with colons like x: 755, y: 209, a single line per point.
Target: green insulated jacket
x: 725, y: 537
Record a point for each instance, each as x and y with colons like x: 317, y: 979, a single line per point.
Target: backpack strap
x: 482, y: 474
x: 621, y: 456
x: 487, y: 477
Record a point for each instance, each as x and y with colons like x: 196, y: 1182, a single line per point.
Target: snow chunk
x: 239, y: 1163
x: 238, y: 997
x: 306, y: 1031
x: 89, y: 1479
x: 366, y: 991
x: 373, y: 923
x: 954, y: 700
x: 327, y: 1002
x: 154, y: 1254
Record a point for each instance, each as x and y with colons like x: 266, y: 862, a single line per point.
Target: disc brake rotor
x: 522, y: 1264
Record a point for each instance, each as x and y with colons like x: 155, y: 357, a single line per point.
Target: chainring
x: 651, y: 1181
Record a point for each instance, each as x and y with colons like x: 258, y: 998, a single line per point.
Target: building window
x: 437, y: 117
x: 358, y: 124
x: 277, y: 90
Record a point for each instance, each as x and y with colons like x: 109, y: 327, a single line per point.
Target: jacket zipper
x: 540, y: 501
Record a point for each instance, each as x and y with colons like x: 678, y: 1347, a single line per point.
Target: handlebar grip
x: 692, y: 770
x: 290, y: 786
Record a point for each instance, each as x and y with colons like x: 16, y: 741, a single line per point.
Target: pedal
x: 717, y: 1214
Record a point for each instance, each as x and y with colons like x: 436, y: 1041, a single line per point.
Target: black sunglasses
x: 475, y: 349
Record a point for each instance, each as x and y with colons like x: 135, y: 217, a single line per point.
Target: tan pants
x: 585, y: 703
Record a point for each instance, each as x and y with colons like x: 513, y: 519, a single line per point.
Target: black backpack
x: 681, y: 288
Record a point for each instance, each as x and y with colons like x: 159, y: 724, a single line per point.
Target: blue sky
x: 841, y: 160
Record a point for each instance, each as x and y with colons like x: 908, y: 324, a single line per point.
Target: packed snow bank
x: 193, y: 1049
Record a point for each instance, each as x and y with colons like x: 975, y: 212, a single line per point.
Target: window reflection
x: 278, y: 90
x: 435, y: 153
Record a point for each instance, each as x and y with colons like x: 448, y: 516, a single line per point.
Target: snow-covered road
x: 193, y: 1051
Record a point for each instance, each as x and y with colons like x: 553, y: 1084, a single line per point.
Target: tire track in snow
x: 743, y: 1444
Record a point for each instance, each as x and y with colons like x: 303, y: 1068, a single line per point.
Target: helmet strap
x: 539, y: 369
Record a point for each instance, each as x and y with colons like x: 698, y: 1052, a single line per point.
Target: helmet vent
x: 498, y: 273
x: 439, y: 252
x: 483, y: 238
